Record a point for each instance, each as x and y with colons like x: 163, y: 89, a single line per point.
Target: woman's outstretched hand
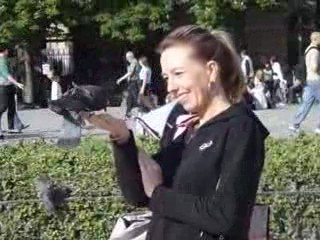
x: 150, y: 170
x: 117, y: 127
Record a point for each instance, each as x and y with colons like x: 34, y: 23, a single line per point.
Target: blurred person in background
x: 280, y: 84
x: 259, y: 92
x: 8, y: 95
x: 311, y: 89
x: 145, y: 75
x: 247, y: 67
x: 132, y: 77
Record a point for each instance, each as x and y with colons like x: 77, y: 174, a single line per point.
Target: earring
x: 210, y: 85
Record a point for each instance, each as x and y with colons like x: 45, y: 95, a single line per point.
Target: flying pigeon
x: 51, y: 195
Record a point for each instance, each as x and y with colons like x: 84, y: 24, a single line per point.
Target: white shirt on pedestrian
x: 276, y: 68
x: 145, y: 73
x: 56, y: 92
x: 247, y: 72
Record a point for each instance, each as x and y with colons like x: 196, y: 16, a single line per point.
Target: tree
x: 215, y: 13
x: 28, y: 23
x: 25, y: 23
x: 131, y: 22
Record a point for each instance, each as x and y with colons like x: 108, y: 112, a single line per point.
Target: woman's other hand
x: 118, y: 129
x: 151, y: 173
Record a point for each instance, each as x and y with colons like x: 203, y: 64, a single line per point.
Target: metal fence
x: 309, y: 233
x: 61, y: 60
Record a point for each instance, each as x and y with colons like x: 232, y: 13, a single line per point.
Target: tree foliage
x: 132, y: 22
x: 213, y: 14
x: 24, y: 20
x: 28, y: 23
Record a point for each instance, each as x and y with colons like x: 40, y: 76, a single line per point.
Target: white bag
x: 133, y: 226
x: 154, y: 122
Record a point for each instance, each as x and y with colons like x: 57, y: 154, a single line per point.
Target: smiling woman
x: 196, y: 68
x: 202, y: 184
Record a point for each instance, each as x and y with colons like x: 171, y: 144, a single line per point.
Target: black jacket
x: 210, y: 184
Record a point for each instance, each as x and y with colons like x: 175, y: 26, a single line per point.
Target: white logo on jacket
x: 205, y: 145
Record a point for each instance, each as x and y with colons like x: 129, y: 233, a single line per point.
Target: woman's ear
x: 213, y: 71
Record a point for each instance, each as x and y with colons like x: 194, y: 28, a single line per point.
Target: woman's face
x: 188, y: 79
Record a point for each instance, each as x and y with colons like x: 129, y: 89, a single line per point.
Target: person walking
x: 145, y: 75
x: 55, y: 78
x: 247, y: 67
x: 7, y: 94
x: 15, y: 125
x: 203, y: 182
x: 311, y: 90
x: 132, y: 77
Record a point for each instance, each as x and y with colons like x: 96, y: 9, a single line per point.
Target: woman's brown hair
x: 217, y: 46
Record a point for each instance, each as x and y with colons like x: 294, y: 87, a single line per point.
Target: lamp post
x: 298, y: 8
x: 317, y: 15
x: 300, y: 36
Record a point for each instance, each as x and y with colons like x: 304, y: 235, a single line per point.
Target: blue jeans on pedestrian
x: 311, y: 93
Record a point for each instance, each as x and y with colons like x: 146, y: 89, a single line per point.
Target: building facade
x: 284, y: 33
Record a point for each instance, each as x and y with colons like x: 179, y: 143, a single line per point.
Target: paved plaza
x: 46, y: 124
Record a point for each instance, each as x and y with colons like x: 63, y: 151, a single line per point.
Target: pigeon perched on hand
x: 51, y: 195
x: 79, y: 98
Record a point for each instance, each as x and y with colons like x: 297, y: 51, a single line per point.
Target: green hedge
x: 89, y: 171
x: 293, y: 165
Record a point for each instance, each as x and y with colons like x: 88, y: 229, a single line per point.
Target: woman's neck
x: 216, y: 106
